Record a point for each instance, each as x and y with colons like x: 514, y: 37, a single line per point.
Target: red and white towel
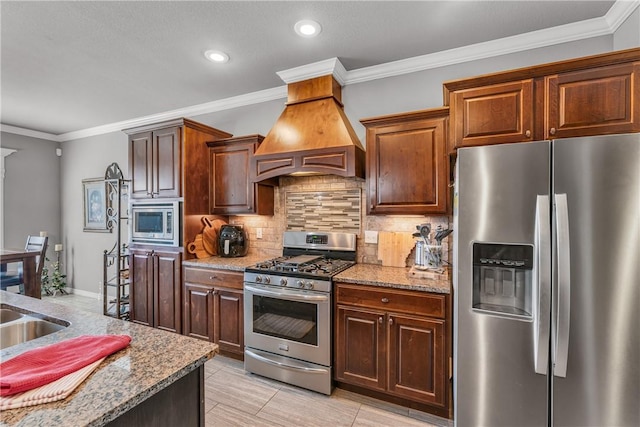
x: 56, y: 390
x: 44, y: 365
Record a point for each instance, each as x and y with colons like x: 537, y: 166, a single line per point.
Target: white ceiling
x: 69, y: 66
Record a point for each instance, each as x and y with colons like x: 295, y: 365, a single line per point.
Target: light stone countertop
x: 362, y: 274
x: 390, y: 277
x: 234, y: 264
x: 154, y: 360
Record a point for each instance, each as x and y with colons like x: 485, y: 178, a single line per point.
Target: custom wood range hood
x: 311, y: 136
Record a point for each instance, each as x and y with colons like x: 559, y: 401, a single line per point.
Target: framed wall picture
x: 95, y: 205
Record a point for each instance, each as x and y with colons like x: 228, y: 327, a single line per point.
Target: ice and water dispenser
x: 502, y: 279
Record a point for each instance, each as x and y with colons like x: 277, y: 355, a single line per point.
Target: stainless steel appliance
x: 156, y: 223
x: 287, y: 309
x: 232, y: 241
x: 547, y: 283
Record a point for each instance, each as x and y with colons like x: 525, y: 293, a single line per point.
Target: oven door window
x: 291, y: 320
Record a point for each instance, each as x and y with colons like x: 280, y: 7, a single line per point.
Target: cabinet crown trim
x: 409, y: 116
x: 542, y: 70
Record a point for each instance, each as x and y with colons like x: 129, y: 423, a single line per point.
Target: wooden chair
x: 34, y: 243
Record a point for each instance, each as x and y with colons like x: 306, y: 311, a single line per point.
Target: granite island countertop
x: 390, y: 277
x: 154, y: 360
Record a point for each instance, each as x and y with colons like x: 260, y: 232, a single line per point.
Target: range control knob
x: 259, y: 279
x: 300, y: 283
x: 283, y: 282
x: 309, y: 285
x: 267, y: 279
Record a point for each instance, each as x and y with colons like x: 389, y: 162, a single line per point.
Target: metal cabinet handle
x: 212, y: 277
x: 552, y: 131
x: 380, y: 320
x: 385, y: 300
x: 527, y: 134
x: 390, y: 320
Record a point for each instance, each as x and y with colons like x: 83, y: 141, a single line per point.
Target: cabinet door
x: 360, y: 347
x: 140, y: 163
x: 231, y: 190
x: 166, y: 160
x: 417, y: 359
x: 495, y: 114
x: 141, y: 294
x: 594, y: 102
x: 198, y: 311
x: 168, y: 304
x: 228, y: 321
x: 407, y: 168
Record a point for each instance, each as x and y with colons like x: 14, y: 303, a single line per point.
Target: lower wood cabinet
x: 213, y: 308
x: 155, y: 287
x: 394, y: 342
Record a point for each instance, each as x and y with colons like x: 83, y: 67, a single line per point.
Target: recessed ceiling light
x: 216, y: 56
x: 307, y: 28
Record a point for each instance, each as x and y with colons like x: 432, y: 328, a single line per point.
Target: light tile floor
x: 234, y: 397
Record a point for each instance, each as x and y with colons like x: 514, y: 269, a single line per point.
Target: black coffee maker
x: 232, y: 241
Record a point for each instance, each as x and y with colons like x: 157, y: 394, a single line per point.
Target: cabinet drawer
x: 213, y: 277
x: 400, y: 301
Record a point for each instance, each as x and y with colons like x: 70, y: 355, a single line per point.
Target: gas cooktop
x: 308, y: 265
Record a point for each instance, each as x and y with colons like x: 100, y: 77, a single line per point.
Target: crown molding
x: 605, y: 25
x: 258, y: 97
x: 522, y: 42
x: 315, y: 69
x: 619, y: 12
x: 28, y: 132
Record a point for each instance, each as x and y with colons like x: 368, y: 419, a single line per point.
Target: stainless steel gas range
x: 287, y: 309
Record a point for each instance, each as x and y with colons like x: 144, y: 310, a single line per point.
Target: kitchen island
x: 157, y: 380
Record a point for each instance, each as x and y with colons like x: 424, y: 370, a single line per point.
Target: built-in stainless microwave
x: 156, y: 223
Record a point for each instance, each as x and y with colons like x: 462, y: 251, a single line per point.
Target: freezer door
x: 597, y: 316
x: 501, y: 194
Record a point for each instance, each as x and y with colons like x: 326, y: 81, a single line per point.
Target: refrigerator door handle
x: 543, y: 272
x: 564, y: 286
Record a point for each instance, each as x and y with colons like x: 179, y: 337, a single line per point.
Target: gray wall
x: 628, y: 34
x: 81, y: 159
x: 31, y: 191
x: 89, y: 157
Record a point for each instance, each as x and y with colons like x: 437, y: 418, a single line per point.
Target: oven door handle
x: 288, y: 295
x: 284, y: 365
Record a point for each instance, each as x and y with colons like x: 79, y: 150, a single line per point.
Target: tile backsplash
x: 332, y: 199
x: 335, y: 210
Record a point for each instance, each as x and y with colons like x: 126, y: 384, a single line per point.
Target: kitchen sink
x: 7, y: 315
x: 16, y: 327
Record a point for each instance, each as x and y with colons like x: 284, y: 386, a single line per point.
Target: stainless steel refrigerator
x: 547, y: 283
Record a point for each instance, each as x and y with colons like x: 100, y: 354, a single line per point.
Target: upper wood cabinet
x: 493, y: 114
x: 604, y: 100
x: 407, y: 163
x: 155, y: 163
x: 168, y: 160
x: 231, y: 188
x: 582, y: 97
